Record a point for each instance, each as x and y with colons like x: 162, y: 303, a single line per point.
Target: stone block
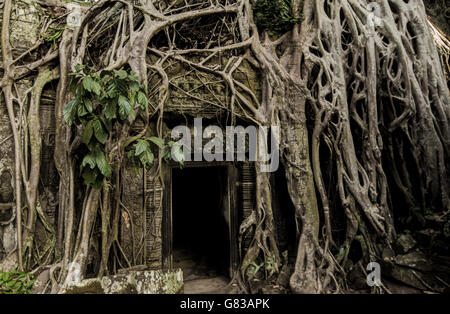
x: 135, y: 282
x: 404, y: 243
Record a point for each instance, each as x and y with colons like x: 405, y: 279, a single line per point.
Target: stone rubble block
x: 415, y: 259
x: 404, y: 244
x: 135, y: 282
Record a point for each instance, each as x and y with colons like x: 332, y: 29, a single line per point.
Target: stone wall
x: 141, y: 195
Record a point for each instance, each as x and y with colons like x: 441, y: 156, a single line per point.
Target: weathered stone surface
x: 255, y: 286
x: 211, y: 285
x: 424, y: 281
x: 426, y: 236
x: 416, y: 260
x: 158, y: 281
x: 87, y: 286
x: 134, y: 217
x: 24, y: 20
x: 283, y: 278
x: 398, y: 288
x: 137, y: 282
x: 9, y: 262
x: 41, y: 282
x: 118, y: 284
x: 405, y: 275
x: 404, y: 243
x: 9, y: 238
x: 387, y: 254
x: 269, y: 289
x: 153, y: 223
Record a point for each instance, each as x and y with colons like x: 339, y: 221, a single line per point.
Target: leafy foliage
x: 101, y: 101
x: 268, y: 265
x: 274, y: 16
x: 15, y: 282
x: 173, y: 149
x: 142, y: 154
x: 53, y: 35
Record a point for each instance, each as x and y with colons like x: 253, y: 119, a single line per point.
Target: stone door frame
x: 232, y: 177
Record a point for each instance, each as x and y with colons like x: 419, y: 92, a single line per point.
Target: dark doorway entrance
x: 200, y: 232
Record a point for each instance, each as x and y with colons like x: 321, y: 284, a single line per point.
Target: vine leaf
x: 102, y: 101
x: 140, y: 147
x: 110, y: 110
x: 89, y: 159
x: 88, y: 105
x: 81, y: 111
x: 122, y: 74
x: 111, y: 89
x: 99, y: 131
x: 147, y: 159
x: 142, y: 100
x: 108, y: 124
x: 158, y: 141
x: 87, y: 133
x: 134, y: 86
x: 124, y: 107
x: 90, y: 177
x: 88, y: 83
x: 69, y: 111
x: 102, y: 164
x: 177, y: 153
x: 92, y: 86
x: 96, y: 88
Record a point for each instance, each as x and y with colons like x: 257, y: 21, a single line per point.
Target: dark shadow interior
x: 200, y: 232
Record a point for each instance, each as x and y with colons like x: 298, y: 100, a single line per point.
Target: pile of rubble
x: 407, y: 263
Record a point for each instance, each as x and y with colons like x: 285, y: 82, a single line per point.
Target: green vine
x: 142, y: 155
x: 102, y: 102
x: 15, y: 282
x: 53, y: 35
x: 274, y: 16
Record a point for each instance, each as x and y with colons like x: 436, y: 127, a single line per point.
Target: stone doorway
x: 200, y: 223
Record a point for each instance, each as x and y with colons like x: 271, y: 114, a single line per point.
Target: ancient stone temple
x: 189, y: 217
x: 186, y: 218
